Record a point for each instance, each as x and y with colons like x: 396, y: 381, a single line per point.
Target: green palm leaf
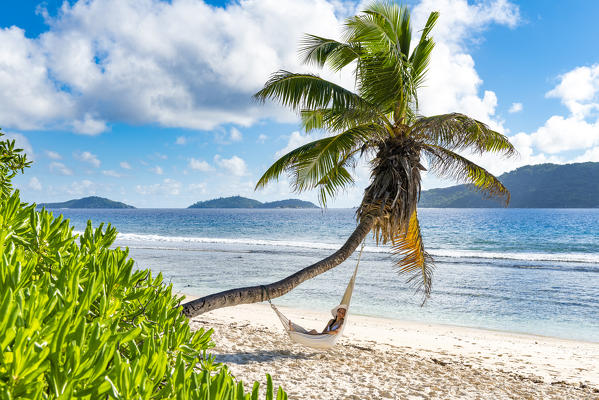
x: 340, y: 119
x: 308, y: 91
x: 320, y: 51
x: 447, y: 164
x: 321, y: 162
x: 459, y: 132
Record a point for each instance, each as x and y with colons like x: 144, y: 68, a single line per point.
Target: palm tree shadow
x: 260, y: 356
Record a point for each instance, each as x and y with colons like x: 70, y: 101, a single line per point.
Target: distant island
x: 531, y: 186
x: 244, y: 202
x: 87, y: 202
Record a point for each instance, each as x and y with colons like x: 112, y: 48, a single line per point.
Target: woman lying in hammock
x: 333, y: 325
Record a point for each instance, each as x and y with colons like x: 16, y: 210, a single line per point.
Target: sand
x: 390, y: 359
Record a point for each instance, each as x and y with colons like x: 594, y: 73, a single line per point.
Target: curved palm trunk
x: 255, y: 294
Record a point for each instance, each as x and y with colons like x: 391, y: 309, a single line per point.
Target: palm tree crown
x: 380, y: 120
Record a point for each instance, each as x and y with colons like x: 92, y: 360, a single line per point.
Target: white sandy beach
x: 390, y: 359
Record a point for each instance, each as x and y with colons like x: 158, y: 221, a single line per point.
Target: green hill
x: 87, y: 202
x: 244, y: 202
x: 289, y: 203
x: 531, y: 186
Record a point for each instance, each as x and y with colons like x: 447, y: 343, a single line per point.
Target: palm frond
x: 315, y: 164
x: 335, y: 180
x: 327, y: 155
x: 420, y: 57
x: 308, y: 91
x: 320, y: 51
x: 447, y: 164
x: 340, y: 119
x: 459, y: 132
x: 412, y: 259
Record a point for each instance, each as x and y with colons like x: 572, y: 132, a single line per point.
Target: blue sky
x: 149, y: 102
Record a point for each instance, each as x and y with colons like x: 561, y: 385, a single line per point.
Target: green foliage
x: 77, y: 321
x: 12, y: 160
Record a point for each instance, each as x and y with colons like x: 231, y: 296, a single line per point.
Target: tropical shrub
x: 77, y: 321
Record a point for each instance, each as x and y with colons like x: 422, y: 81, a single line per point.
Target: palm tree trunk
x: 255, y: 294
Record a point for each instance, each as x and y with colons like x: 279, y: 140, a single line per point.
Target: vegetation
x: 531, y: 186
x: 244, y: 202
x: 87, y: 202
x: 378, y: 122
x: 76, y: 321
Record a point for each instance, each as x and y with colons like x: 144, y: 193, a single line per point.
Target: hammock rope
x: 301, y: 335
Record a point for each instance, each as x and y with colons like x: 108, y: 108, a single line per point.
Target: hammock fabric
x: 320, y: 341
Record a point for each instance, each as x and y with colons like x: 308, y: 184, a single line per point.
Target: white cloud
x: 452, y: 83
x: 89, y: 125
x: 161, y: 156
x: 166, y: 187
x: 111, y: 173
x: 235, y: 165
x: 89, y: 158
x: 196, y: 188
x: 60, y: 168
x: 579, y: 90
x: 186, y: 64
x: 53, y: 155
x: 295, y: 140
x: 515, y: 108
x: 591, y: 155
x: 125, y: 165
x: 82, y: 188
x: 560, y: 134
x: 35, y: 184
x: 199, y: 165
x: 181, y: 140
x: 262, y: 138
x: 157, y: 170
x: 235, y: 135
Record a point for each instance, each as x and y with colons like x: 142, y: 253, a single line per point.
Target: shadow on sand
x: 245, y: 357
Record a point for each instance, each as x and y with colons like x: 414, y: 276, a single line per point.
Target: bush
x: 76, y: 320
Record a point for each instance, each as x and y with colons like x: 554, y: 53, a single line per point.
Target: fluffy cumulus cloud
x: 236, y: 135
x: 515, y: 108
x: 453, y: 83
x: 35, y: 184
x: 234, y: 165
x: 84, y: 187
x: 53, y: 155
x: 125, y: 165
x: 168, y: 186
x: 563, y: 135
x: 199, y: 165
x: 186, y: 63
x: 89, y: 158
x: 157, y: 170
x: 60, y: 169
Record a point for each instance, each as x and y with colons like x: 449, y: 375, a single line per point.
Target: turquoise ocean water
x: 522, y: 270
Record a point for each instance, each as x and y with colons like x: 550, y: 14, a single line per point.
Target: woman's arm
x: 336, y: 330
x: 327, y: 325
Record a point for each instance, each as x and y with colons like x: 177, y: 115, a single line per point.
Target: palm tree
x: 379, y: 121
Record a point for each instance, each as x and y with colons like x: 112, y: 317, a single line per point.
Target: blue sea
x: 521, y: 270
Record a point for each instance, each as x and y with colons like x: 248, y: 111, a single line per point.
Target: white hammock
x: 320, y: 341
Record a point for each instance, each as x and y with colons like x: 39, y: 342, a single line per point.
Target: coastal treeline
x: 77, y: 320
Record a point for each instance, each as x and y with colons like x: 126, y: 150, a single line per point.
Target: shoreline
x: 189, y: 297
x: 447, y: 360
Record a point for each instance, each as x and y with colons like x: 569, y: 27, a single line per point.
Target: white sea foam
x: 184, y: 242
